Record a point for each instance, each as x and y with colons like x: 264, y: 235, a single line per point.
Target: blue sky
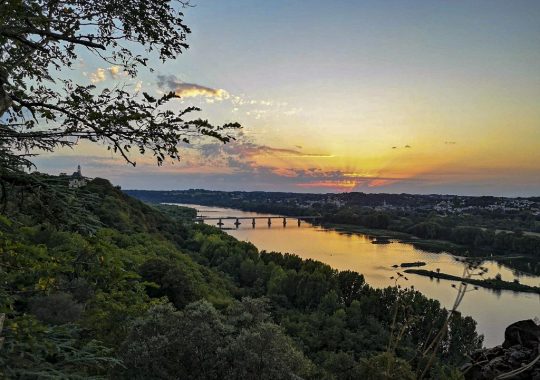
x: 390, y: 96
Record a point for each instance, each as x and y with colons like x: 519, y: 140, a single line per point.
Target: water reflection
x: 492, y: 309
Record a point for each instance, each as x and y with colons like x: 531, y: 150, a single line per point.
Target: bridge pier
x: 238, y: 219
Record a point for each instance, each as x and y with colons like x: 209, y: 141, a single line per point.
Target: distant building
x: 77, y: 180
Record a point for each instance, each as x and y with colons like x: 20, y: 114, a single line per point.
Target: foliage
x: 201, y: 343
x: 144, y: 293
x: 42, y: 108
x: 55, y: 308
x: 33, y: 350
x: 385, y: 367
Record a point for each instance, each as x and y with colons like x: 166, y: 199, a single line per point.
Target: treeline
x: 132, y: 293
x: 474, y: 237
x: 364, y: 217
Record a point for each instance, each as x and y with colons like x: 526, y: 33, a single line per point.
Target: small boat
x: 381, y: 240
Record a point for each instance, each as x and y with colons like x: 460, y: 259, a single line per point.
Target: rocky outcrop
x: 517, y: 358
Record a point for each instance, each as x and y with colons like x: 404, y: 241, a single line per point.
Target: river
x: 492, y: 310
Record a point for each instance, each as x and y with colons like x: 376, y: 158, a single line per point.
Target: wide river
x: 492, y: 310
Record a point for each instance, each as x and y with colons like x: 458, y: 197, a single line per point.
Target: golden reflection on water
x: 492, y: 310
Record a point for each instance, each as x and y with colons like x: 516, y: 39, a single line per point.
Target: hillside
x: 98, y: 284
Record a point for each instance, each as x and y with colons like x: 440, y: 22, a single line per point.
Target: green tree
x: 32, y: 350
x: 201, y: 343
x: 351, y: 285
x: 386, y: 367
x: 168, y: 344
x: 264, y: 352
x: 56, y: 308
x: 173, y: 281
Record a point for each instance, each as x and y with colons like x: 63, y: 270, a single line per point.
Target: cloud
x: 379, y: 182
x: 114, y: 71
x: 333, y: 185
x: 98, y: 76
x: 357, y: 175
x: 190, y: 90
x: 284, y: 172
x: 247, y: 160
x: 239, y: 104
x: 249, y: 150
x: 101, y: 74
x: 339, y: 180
x: 229, y: 166
x: 257, y: 113
x: 292, y: 111
x: 241, y: 100
x: 262, y: 108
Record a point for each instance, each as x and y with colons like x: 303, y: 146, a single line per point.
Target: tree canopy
x: 41, y: 108
x: 105, y: 286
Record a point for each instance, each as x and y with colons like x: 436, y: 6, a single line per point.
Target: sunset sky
x: 373, y: 96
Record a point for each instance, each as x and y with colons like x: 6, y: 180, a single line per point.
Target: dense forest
x: 476, y: 231
x: 96, y: 284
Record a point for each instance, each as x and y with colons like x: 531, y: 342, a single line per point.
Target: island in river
x: 489, y: 283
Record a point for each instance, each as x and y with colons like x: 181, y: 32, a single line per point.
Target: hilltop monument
x: 77, y: 180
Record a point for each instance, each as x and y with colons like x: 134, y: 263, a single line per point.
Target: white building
x: 77, y: 180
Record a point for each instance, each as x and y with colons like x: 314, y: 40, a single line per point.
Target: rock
x: 521, y: 346
x: 517, y: 354
x: 525, y: 333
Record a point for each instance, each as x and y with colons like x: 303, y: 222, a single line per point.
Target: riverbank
x: 434, y: 246
x: 518, y: 262
x: 488, y: 283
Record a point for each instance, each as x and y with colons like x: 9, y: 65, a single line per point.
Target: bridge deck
x: 255, y: 217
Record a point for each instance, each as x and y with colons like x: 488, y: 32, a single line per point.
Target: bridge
x: 253, y: 219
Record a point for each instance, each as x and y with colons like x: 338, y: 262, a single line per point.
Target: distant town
x: 441, y: 204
